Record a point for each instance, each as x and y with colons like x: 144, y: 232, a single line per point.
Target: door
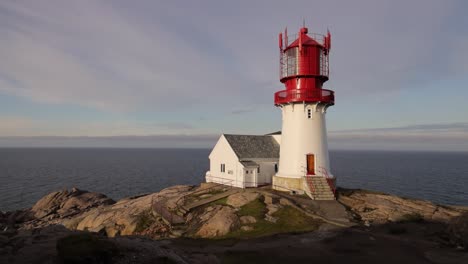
x: 250, y: 178
x: 310, y: 164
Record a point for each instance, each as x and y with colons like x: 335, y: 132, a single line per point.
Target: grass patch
x: 145, y: 220
x: 222, y: 201
x: 85, y: 248
x: 290, y: 220
x: 256, y: 208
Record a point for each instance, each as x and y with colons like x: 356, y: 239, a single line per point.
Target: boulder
x: 67, y: 203
x: 246, y: 228
x: 270, y: 199
x: 284, y: 201
x: 121, y: 218
x: 272, y: 208
x: 240, y: 199
x: 382, y: 208
x: 270, y: 218
x: 248, y: 219
x: 222, y: 221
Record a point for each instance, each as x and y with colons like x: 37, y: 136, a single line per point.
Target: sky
x: 178, y: 73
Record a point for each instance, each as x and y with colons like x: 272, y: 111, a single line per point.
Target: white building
x: 244, y: 160
x: 302, y: 165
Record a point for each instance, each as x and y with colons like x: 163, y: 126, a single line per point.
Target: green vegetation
x: 145, y: 220
x: 256, y: 208
x: 222, y: 201
x: 289, y: 220
x: 85, y: 248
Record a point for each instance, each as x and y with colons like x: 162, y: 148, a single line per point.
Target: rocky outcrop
x: 218, y: 221
x: 248, y: 219
x: 68, y: 203
x: 81, y: 210
x: 240, y: 199
x: 376, y: 207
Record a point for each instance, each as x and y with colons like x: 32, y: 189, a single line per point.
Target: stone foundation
x: 286, y: 184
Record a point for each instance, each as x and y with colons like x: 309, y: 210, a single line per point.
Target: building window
x: 276, y: 167
x: 309, y: 113
x: 258, y: 170
x: 246, y: 172
x: 223, y: 167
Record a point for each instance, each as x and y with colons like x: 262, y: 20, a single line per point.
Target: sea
x: 28, y: 174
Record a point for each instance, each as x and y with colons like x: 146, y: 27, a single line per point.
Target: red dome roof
x: 306, y: 41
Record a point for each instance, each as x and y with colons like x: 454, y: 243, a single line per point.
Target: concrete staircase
x: 318, y: 188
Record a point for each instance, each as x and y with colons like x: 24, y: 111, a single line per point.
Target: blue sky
x: 179, y: 73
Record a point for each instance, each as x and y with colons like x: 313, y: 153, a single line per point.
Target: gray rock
x: 242, y: 198
x: 223, y: 221
x: 247, y: 219
x: 271, y: 218
x: 247, y: 228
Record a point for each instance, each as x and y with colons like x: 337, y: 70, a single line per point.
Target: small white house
x: 244, y: 160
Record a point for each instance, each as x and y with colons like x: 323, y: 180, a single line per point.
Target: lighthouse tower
x: 304, y: 163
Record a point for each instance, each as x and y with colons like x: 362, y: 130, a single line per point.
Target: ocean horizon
x: 27, y: 174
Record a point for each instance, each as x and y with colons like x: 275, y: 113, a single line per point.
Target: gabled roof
x: 249, y: 164
x: 254, y: 147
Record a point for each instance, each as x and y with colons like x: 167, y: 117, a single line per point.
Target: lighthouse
x: 304, y: 164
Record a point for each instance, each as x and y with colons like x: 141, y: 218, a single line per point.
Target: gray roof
x: 254, y: 147
x: 249, y: 163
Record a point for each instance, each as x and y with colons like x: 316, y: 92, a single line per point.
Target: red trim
x: 305, y: 95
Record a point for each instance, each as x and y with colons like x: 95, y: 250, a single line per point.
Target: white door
x: 250, y: 177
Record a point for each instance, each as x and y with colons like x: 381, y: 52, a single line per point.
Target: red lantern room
x: 304, y: 68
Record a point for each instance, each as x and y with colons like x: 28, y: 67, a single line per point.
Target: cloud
x: 11, y: 125
x: 174, y: 125
x: 121, y: 57
x: 440, y: 137
x: 90, y: 54
x: 28, y: 127
x: 242, y: 111
x: 153, y: 141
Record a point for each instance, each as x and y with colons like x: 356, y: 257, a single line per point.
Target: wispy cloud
x: 448, y: 136
x: 117, y: 56
x: 242, y: 111
x: 154, y: 141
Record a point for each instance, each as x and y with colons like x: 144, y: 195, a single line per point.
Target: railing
x: 329, y: 179
x: 320, y: 38
x: 305, y: 95
x: 310, y: 184
x: 219, y: 180
x: 293, y: 64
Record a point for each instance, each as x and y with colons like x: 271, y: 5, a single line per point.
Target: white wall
x: 301, y: 136
x: 267, y: 170
x: 222, y: 153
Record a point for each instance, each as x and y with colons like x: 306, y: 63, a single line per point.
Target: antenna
x: 303, y: 22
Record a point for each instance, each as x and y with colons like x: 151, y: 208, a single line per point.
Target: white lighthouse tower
x: 304, y: 164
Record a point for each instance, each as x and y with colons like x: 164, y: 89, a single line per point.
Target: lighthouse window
x: 291, y: 62
x: 309, y: 113
x: 223, y: 167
